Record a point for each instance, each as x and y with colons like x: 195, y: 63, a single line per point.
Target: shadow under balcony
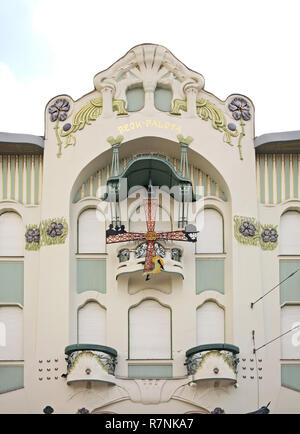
x: 213, y: 363
x: 88, y: 362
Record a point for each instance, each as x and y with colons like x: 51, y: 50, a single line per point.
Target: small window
x: 135, y: 99
x: 91, y: 232
x: 290, y: 343
x: 163, y: 99
x: 92, y: 324
x: 290, y: 233
x: 11, y: 235
x: 210, y: 324
x: 11, y: 333
x: 149, y: 331
x: 210, y: 235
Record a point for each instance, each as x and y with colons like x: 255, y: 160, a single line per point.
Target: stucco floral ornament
x: 32, y: 237
x: 240, y: 111
x: 269, y: 237
x: 59, y: 113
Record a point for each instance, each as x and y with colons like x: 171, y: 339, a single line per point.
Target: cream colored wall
x: 51, y: 301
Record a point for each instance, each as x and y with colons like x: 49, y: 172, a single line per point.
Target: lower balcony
x: 213, y: 363
x: 87, y: 362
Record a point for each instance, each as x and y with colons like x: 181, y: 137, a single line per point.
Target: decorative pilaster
x: 108, y: 92
x: 191, y: 92
x: 184, y: 164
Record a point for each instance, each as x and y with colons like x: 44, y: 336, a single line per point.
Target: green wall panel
x: 209, y: 275
x: 290, y: 376
x: 290, y: 289
x: 11, y: 378
x: 150, y: 371
x: 91, y: 275
x: 12, y: 282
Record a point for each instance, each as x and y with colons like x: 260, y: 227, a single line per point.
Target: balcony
x: 131, y: 261
x: 86, y: 362
x: 213, y: 363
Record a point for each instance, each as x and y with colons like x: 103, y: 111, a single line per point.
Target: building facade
x: 83, y: 322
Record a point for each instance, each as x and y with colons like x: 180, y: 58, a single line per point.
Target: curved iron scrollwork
x: 194, y: 362
x: 108, y: 362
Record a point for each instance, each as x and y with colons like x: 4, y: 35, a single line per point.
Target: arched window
x: 163, y: 99
x: 210, y: 324
x: 91, y: 232
x: 210, y: 236
x: 149, y: 331
x: 290, y: 343
x: 135, y: 99
x: 11, y: 333
x: 290, y: 233
x: 11, y: 235
x: 92, y: 324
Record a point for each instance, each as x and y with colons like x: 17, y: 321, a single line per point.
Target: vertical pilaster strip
x: 262, y: 178
x: 28, y: 174
x: 36, y: 180
x: 292, y: 189
x: 41, y: 175
x: 13, y: 177
x: 1, y: 177
x: 32, y: 181
x: 282, y: 178
x: 17, y: 179
x: 258, y: 178
x: 266, y: 179
x: 270, y: 178
x: 4, y: 167
x: 287, y: 176
x: 274, y: 179
x: 8, y: 176
x: 24, y: 179
x: 21, y: 178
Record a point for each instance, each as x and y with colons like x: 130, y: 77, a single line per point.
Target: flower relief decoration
x: 59, y: 113
x: 249, y: 231
x: 32, y: 237
x: 51, y: 231
x: 240, y: 110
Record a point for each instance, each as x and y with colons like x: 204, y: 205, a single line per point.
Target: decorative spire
x: 115, y: 164
x: 184, y: 164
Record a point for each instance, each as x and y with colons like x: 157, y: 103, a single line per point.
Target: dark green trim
x: 210, y: 347
x: 91, y: 347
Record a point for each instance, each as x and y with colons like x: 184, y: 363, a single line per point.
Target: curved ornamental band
x: 153, y: 263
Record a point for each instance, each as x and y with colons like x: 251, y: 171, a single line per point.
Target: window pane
x: 210, y: 235
x: 290, y: 343
x: 12, y: 318
x: 163, y: 99
x: 91, y: 232
x: 135, y: 99
x: 150, y: 331
x: 11, y: 235
x: 92, y: 324
x: 210, y: 324
x: 290, y: 233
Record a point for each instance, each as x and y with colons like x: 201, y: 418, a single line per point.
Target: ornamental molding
x: 148, y: 65
x: 48, y: 232
x: 249, y: 231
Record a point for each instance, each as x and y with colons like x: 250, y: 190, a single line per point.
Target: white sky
x: 52, y: 47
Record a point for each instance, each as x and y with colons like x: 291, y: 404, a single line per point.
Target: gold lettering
x: 131, y: 125
x: 138, y: 124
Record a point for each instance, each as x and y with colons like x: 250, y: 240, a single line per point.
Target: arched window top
x: 91, y: 231
x: 209, y: 223
x: 149, y: 331
x: 210, y: 323
x: 289, y: 240
x: 11, y: 234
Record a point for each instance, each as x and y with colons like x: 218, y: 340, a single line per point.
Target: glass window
x: 11, y: 333
x: 91, y: 232
x: 210, y: 324
x: 150, y: 331
x: 289, y: 235
x: 135, y: 99
x: 290, y: 343
x: 11, y: 235
x: 92, y: 324
x: 210, y: 236
x: 163, y: 99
